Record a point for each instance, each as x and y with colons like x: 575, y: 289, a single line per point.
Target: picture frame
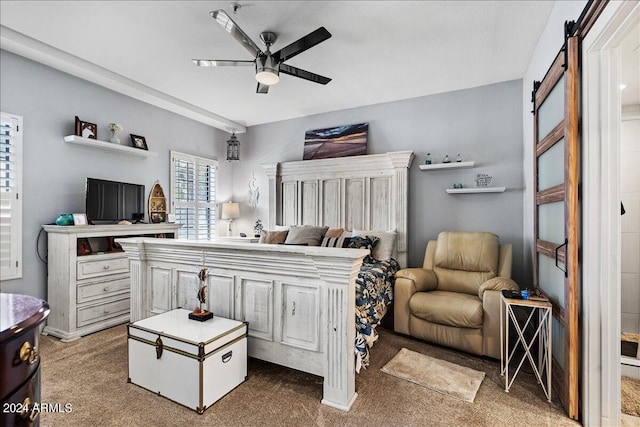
x: 139, y: 142
x: 337, y: 141
x: 84, y: 247
x: 80, y: 219
x: 86, y: 129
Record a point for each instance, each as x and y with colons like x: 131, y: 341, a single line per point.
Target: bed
x: 299, y: 301
x: 374, y: 293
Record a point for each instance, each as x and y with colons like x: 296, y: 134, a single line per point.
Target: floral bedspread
x: 374, y: 293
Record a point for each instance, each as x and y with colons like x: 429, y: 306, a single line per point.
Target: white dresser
x: 88, y: 278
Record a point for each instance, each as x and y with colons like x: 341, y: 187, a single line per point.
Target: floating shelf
x: 476, y: 190
x: 452, y: 165
x: 108, y: 146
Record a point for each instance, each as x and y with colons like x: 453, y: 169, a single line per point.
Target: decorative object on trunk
x: 200, y: 313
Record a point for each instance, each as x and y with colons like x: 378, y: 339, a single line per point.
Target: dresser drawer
x: 96, y: 290
x: 17, y: 365
x: 22, y: 398
x: 96, y: 313
x: 89, y: 268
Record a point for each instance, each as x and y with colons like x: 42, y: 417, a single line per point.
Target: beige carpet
x: 630, y: 396
x: 91, y: 375
x: 444, y: 377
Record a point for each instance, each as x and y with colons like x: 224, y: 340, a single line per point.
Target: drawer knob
x: 106, y: 288
x: 106, y: 267
x: 28, y: 410
x: 28, y: 354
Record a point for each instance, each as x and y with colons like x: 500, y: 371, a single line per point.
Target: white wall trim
x: 20, y: 44
x: 601, y: 213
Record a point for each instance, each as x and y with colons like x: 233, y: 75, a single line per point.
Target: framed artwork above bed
x: 339, y: 141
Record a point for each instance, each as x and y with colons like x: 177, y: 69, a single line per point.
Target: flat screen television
x: 112, y: 201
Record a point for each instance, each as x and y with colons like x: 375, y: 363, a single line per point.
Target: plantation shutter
x: 10, y: 196
x: 193, y: 195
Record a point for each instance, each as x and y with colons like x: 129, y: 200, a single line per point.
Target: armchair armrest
x: 423, y: 280
x: 408, y: 282
x: 489, y: 293
x: 497, y: 284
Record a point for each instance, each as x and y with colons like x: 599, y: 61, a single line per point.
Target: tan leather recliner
x: 454, y: 299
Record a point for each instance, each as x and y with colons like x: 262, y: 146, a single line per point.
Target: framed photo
x: 84, y: 248
x: 86, y: 129
x: 339, y: 141
x: 80, y: 219
x: 139, y: 142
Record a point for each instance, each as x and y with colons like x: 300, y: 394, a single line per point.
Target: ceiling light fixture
x: 267, y: 67
x: 233, y: 147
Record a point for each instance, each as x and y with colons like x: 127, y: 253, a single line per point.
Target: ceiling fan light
x: 267, y: 77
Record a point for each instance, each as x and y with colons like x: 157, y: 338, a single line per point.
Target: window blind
x: 193, y: 192
x: 10, y: 196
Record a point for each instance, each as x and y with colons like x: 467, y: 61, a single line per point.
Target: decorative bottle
x: 446, y: 159
x: 459, y: 158
x: 427, y: 160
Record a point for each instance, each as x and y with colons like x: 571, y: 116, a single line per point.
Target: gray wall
x: 482, y: 124
x: 55, y: 171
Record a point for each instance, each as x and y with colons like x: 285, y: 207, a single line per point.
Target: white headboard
x: 359, y: 192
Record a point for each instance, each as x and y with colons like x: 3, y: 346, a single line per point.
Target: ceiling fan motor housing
x: 267, y: 69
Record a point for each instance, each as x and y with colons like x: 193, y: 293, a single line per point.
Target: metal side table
x: 540, y: 311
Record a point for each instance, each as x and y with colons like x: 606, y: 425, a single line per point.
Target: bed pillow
x: 337, y: 241
x: 305, y: 234
x: 363, y: 242
x: 273, y: 237
x: 387, y: 248
x: 334, y: 232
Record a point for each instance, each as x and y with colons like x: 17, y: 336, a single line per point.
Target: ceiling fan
x: 268, y: 64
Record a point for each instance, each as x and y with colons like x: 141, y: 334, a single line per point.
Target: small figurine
x: 257, y: 228
x: 199, y: 313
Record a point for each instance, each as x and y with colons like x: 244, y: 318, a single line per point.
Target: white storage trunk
x: 192, y: 363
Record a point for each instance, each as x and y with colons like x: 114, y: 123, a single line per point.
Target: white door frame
x: 601, y: 238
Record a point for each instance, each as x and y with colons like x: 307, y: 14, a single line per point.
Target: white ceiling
x: 380, y: 50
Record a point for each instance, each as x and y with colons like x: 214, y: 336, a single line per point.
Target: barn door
x: 556, y: 214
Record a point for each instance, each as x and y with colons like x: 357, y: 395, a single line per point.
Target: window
x: 10, y: 196
x: 193, y: 195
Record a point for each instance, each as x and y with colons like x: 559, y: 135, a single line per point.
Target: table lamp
x: 230, y: 211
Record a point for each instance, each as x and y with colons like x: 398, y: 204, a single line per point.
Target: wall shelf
x: 476, y: 190
x: 108, y: 146
x: 452, y: 165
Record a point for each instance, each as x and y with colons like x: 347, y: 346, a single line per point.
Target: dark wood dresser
x: 20, y: 317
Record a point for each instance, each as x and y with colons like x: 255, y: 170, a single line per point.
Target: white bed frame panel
x: 360, y: 192
x: 299, y: 301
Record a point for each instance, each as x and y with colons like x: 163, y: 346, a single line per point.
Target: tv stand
x: 89, y: 277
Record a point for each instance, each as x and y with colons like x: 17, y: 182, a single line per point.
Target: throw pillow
x: 363, y: 242
x: 334, y: 232
x: 387, y: 248
x: 273, y: 237
x: 306, y: 234
x: 335, y: 241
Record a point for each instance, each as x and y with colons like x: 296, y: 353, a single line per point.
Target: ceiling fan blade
x: 300, y: 45
x: 262, y: 88
x: 232, y: 28
x: 221, y: 63
x: 297, y: 72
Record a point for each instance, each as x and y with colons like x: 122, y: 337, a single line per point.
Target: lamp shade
x: 230, y: 210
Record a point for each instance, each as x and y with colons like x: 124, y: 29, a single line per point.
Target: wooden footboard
x: 299, y: 301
